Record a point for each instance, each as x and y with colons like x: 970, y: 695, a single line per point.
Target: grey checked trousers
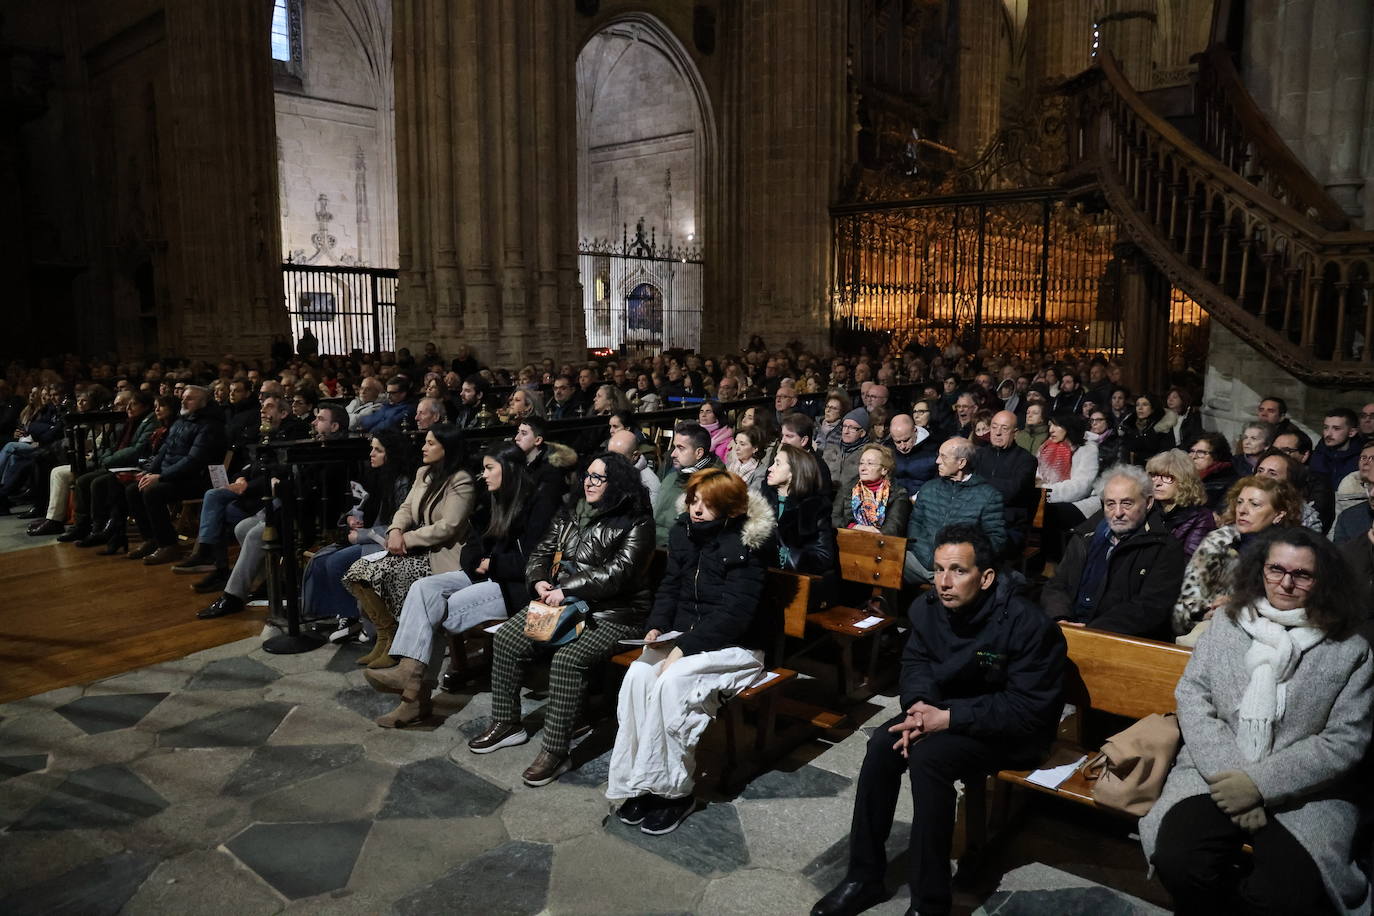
x: 512, y: 652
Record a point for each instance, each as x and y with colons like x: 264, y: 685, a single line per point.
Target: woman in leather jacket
x: 596, y: 552
x: 805, y: 538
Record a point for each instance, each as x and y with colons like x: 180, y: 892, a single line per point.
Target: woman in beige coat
x: 425, y: 537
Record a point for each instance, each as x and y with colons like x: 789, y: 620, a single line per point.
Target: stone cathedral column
x: 486, y: 160
x: 784, y: 139
x: 1128, y: 31
x: 224, y: 259
x: 1058, y: 40
x: 981, y: 66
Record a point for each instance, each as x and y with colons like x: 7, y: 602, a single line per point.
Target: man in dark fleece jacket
x: 981, y: 691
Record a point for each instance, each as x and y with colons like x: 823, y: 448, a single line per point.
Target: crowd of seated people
x: 1065, y: 493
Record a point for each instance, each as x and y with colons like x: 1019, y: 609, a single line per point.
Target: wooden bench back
x: 791, y: 592
x: 1122, y: 675
x: 871, y: 558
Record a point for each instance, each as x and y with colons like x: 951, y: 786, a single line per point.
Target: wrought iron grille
x: 639, y: 297
x: 1023, y: 272
x: 346, y: 308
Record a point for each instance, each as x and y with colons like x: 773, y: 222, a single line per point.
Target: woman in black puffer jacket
x: 600, y: 547
x: 710, y: 595
x: 805, y: 538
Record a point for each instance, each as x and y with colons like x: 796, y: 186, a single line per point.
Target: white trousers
x: 663, y: 716
x: 59, y: 486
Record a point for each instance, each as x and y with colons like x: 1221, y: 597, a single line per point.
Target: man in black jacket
x: 981, y: 691
x: 1122, y: 570
x: 1011, y: 470
x: 177, y: 471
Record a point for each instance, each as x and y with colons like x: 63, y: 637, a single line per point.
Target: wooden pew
x: 870, y: 559
x: 1125, y: 676
x: 790, y: 595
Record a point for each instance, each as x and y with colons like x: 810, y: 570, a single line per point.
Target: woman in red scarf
x: 876, y: 503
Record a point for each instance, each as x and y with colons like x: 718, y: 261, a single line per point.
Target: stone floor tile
x: 184, y: 773
x: 828, y: 869
x: 12, y: 766
x: 710, y: 842
x: 366, y: 701
x: 30, y: 857
x: 206, y: 882
x: 95, y: 888
x: 805, y: 782
x: 299, y: 663
x: 198, y: 823
x: 439, y: 788
x: 301, y: 860
x: 187, y: 706
x: 246, y: 727
x: 757, y: 892
x: 238, y: 673
x: 164, y: 677
x: 591, y: 774
x: 273, y: 767
x: 783, y: 834
x: 510, y: 880
x: 321, y: 723
x: 553, y: 813
x: 312, y: 688
x: 41, y: 702
x: 582, y: 882
x: 109, y: 712
x: 104, y: 796
x: 1065, y: 901
x: 121, y: 746
x: 401, y: 855
x: 35, y: 732
x: 345, y: 657
x: 354, y: 791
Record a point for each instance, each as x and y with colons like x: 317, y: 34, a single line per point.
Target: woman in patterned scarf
x: 875, y: 502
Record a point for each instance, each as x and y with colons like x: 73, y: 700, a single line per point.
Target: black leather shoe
x: 224, y: 605
x: 850, y: 898
x: 78, y: 533
x: 46, y: 528
x: 32, y: 514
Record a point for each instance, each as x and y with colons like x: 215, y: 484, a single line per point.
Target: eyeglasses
x: 1198, y: 453
x: 1097, y: 420
x: 596, y: 480
x: 1302, y: 578
x: 1367, y: 459
x: 921, y: 410
x: 1167, y: 478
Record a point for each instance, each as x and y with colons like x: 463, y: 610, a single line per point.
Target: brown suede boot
x: 374, y: 609
x: 415, y: 708
x: 404, y: 678
x: 385, y: 634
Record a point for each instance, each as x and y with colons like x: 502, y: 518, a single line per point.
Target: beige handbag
x: 1128, y: 774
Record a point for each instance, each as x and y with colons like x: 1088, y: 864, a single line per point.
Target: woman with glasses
x: 594, y: 556
x: 875, y: 503
x: 1102, y: 434
x: 1181, y: 500
x: 1275, y: 714
x: 1211, y: 456
x: 1254, y: 505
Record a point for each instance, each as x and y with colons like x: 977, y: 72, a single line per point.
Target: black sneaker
x: 634, y: 810
x: 666, y: 817
x: 214, y: 582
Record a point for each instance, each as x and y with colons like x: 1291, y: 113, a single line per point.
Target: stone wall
x: 336, y: 138
x: 1237, y: 379
x: 1310, y: 66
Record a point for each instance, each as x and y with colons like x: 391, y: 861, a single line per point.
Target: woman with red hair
x: 709, y: 596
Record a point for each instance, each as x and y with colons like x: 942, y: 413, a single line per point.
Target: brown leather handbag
x: 1128, y: 774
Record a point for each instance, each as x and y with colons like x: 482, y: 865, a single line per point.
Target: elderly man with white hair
x: 1122, y: 570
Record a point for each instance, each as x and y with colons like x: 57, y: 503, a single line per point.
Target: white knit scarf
x: 1278, y: 641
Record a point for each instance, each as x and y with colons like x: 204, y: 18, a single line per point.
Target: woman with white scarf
x: 1275, y: 711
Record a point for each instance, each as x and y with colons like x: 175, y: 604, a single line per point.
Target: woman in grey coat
x: 1274, y: 707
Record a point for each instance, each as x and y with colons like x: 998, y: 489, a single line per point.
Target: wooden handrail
x: 1298, y: 291
x: 1235, y: 130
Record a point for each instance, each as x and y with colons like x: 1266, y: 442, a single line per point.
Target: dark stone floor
x: 240, y: 782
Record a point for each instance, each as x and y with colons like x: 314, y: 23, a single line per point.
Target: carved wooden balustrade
x: 1296, y: 290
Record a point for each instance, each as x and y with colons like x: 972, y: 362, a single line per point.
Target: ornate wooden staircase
x: 1232, y: 218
